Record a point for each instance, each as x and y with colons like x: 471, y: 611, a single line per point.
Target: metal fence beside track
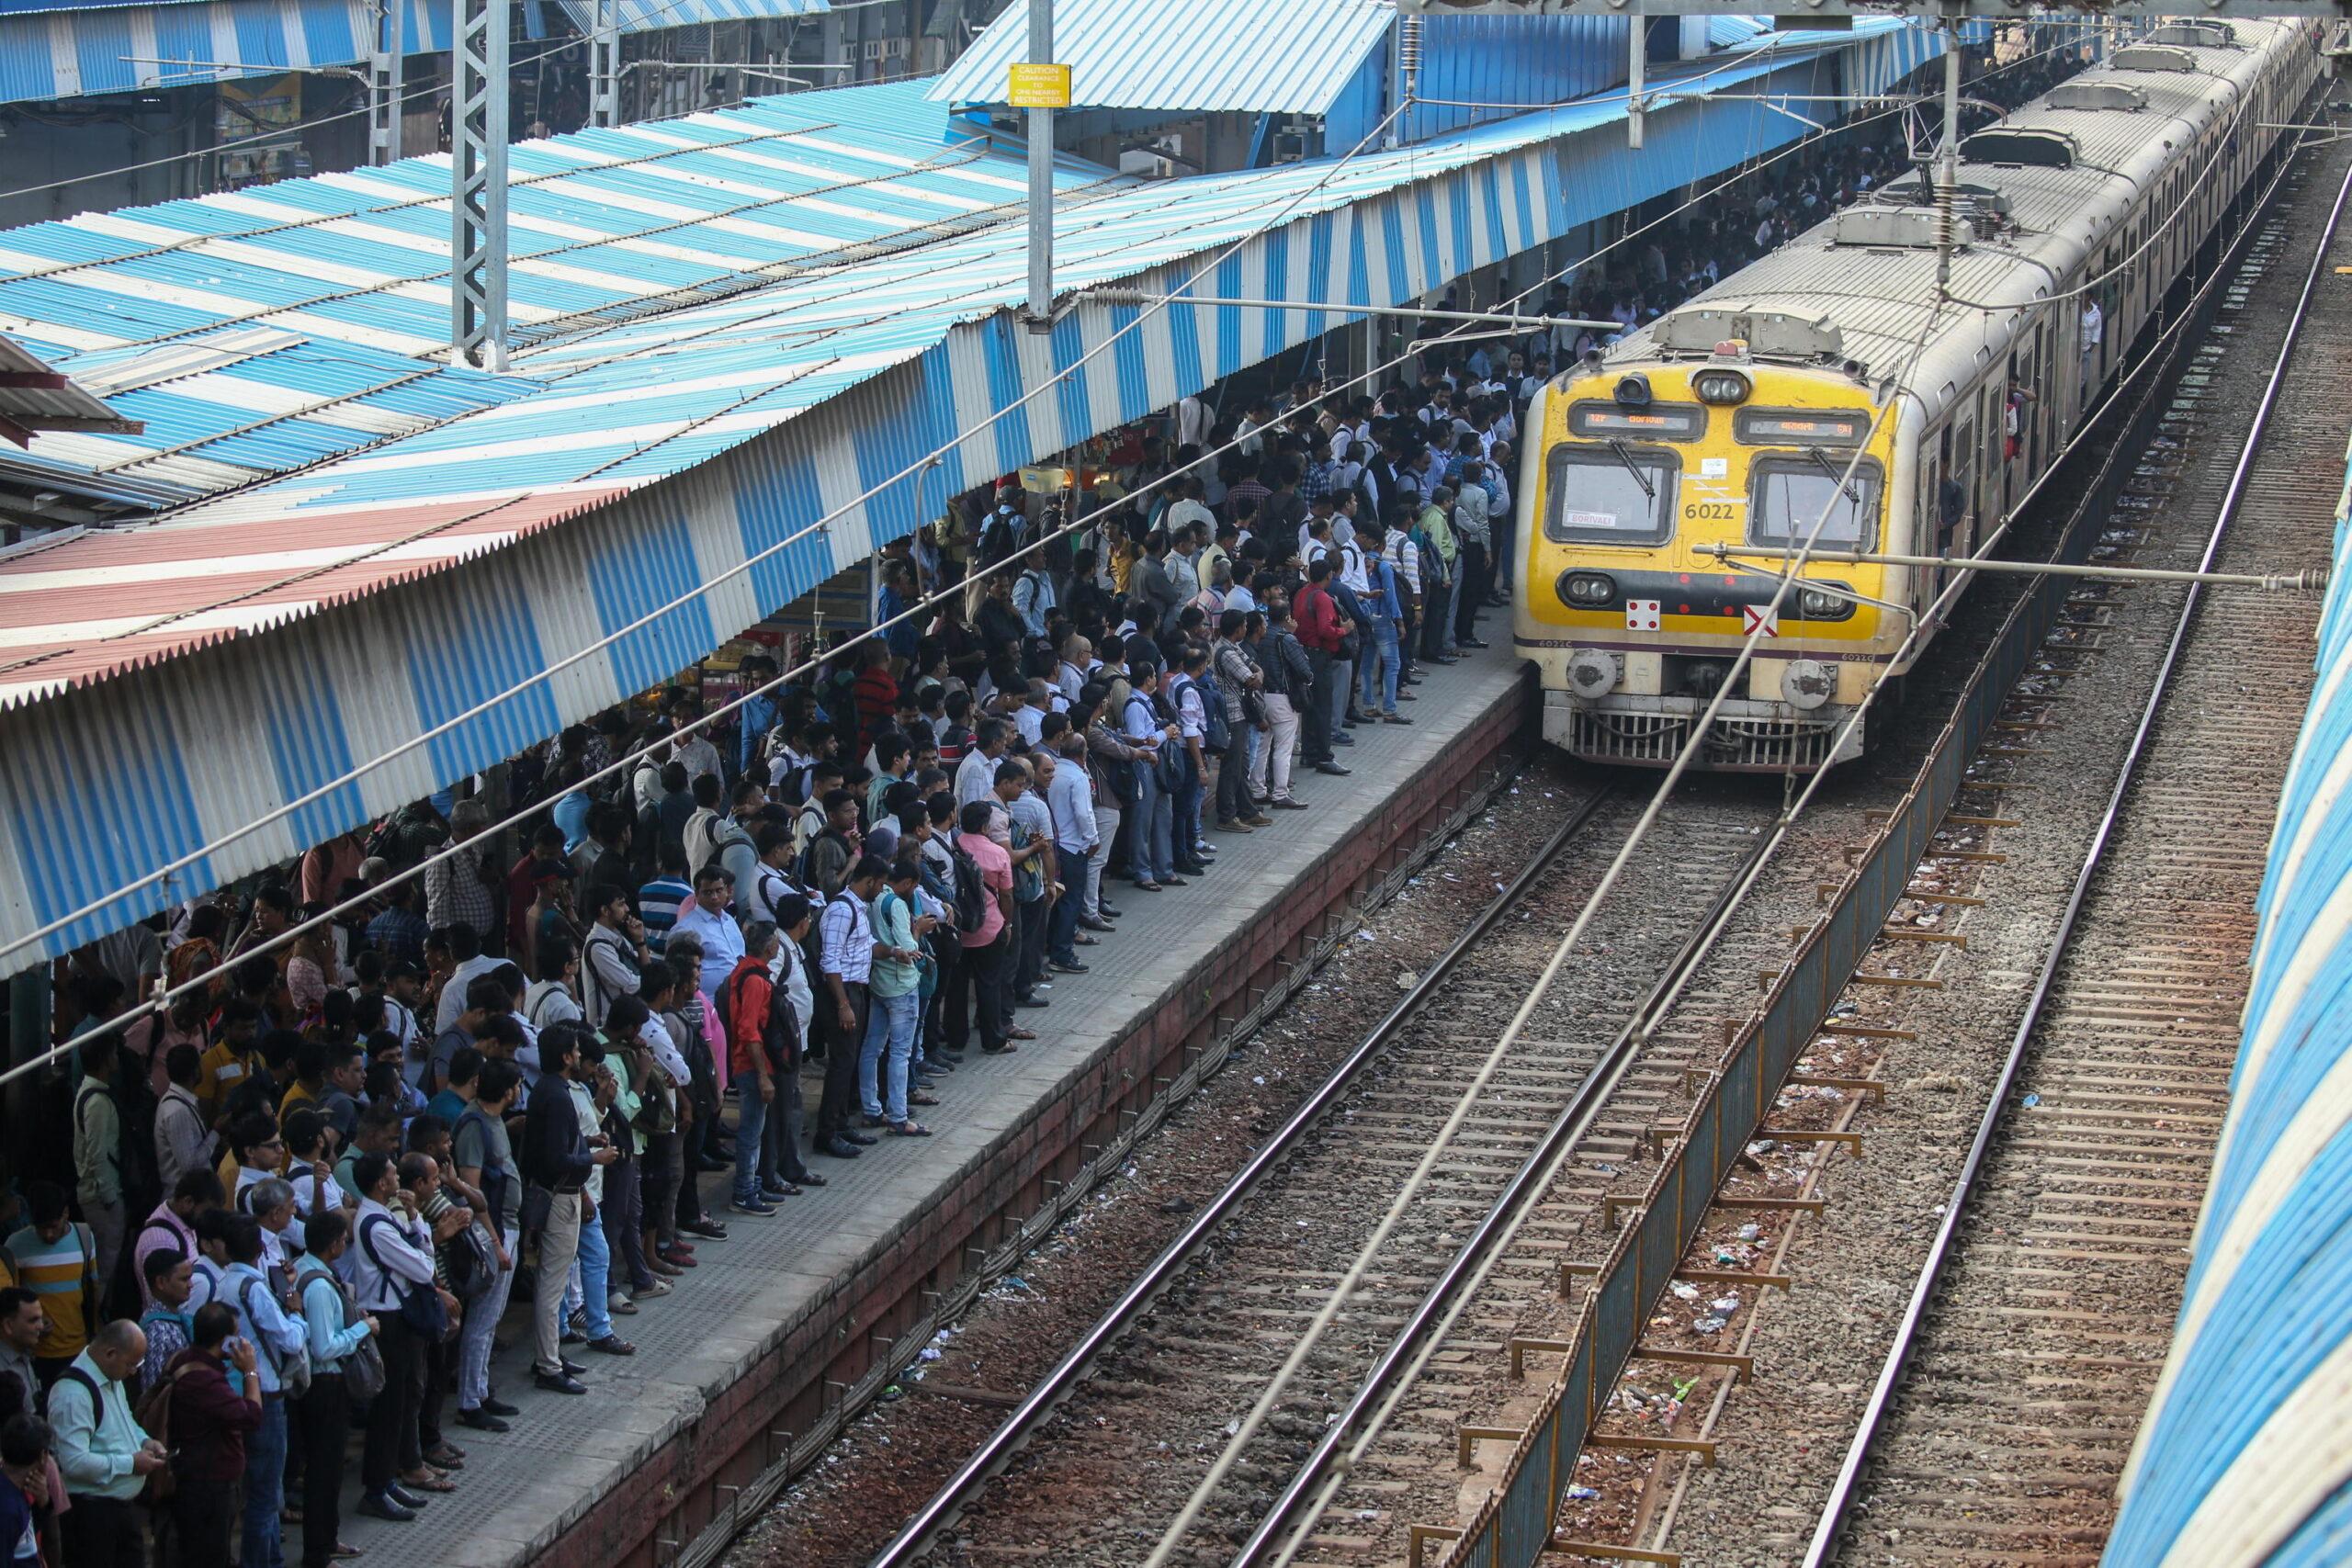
x: 1514, y: 1524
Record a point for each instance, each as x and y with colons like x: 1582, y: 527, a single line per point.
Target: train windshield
x: 1610, y: 493
x: 1790, y: 494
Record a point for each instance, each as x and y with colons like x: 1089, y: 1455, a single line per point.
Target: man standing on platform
x: 845, y: 959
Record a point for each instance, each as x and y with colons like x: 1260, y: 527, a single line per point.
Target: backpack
x: 972, y: 898
x: 153, y: 1412
x: 294, y: 1373
x: 420, y: 1306
x: 494, y: 1177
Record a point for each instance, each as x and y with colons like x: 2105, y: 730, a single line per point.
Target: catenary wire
x: 293, y: 931
x: 287, y: 936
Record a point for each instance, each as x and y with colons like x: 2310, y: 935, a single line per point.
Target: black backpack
x: 972, y: 896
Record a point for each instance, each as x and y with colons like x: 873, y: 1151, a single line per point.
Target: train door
x: 2038, y: 412
x: 1960, y: 480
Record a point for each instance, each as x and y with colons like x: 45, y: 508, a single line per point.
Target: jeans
x: 1150, y: 836
x: 595, y: 1271
x: 1061, y: 917
x: 474, y: 1338
x: 326, y: 1422
x: 751, y: 1135
x: 1106, y: 821
x: 1380, y: 668
x: 265, y: 1487
x: 559, y: 1246
x: 1448, y: 637
x: 1318, y: 706
x: 1270, y: 763
x: 980, y: 975
x: 889, y: 1045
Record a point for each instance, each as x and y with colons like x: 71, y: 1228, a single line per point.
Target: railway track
x: 2006, y: 1411
x: 1173, y: 1372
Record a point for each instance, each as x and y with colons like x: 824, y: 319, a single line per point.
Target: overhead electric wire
x: 283, y: 811
x: 330, y: 786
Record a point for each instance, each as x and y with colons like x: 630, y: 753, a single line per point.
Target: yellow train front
x: 1632, y: 470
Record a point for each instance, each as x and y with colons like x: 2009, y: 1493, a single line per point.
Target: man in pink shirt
x: 986, y: 949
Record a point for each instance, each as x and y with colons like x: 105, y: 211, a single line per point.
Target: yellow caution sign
x: 1036, y: 86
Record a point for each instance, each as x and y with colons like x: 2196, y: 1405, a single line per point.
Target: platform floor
x: 520, y: 1489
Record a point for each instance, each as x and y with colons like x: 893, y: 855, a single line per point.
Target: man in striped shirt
x: 57, y: 1261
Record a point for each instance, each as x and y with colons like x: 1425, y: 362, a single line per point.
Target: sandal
x: 431, y: 1483
x: 922, y: 1099
x: 910, y: 1130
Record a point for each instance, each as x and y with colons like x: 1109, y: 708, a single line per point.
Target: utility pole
x: 1038, y: 89
x: 604, y: 64
x: 1948, y: 159
x: 1634, y: 69
x: 384, y: 72
x: 477, y: 130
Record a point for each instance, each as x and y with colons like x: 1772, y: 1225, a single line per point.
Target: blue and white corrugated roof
x: 50, y: 51
x: 606, y: 225
x: 1289, y: 56
x: 220, y: 410
x: 1726, y: 32
x: 2242, y: 1457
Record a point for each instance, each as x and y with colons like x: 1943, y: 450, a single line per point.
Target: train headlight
x: 1832, y: 601
x: 1721, y: 387
x: 1634, y: 391
x: 1591, y: 673
x: 1808, y: 683
x: 1587, y: 590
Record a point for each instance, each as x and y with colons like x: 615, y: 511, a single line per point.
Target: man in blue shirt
x: 280, y: 1343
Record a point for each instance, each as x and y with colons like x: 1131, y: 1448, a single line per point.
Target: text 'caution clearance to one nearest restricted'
x: 1034, y: 86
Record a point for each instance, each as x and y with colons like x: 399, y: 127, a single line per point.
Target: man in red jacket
x: 209, y: 1424
x: 1319, y: 629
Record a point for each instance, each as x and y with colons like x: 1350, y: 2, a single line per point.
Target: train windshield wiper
x: 1835, y: 474
x: 1625, y: 456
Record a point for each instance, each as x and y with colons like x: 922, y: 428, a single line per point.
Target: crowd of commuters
x: 301, y: 1200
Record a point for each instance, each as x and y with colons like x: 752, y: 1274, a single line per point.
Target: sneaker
x: 1261, y: 820
x: 755, y: 1207
x: 1231, y: 827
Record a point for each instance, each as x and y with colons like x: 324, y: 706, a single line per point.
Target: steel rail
x: 1526, y: 1185
x: 946, y: 1505
x: 1827, y: 1536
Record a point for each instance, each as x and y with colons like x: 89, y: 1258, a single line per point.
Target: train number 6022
x: 1709, y: 511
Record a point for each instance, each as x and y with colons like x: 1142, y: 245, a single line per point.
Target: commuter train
x: 1823, y: 382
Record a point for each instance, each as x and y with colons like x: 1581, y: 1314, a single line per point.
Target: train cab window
x: 1611, y: 493
x: 1788, y: 494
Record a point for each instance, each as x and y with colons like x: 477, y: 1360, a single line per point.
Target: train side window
x: 1789, y: 494
x: 1612, y: 495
